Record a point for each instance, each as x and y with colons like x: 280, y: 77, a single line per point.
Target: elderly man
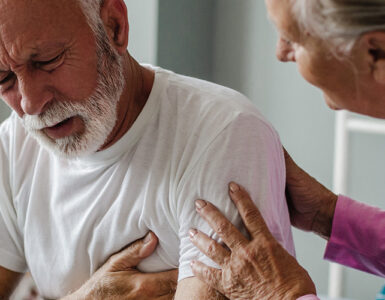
x: 100, y: 150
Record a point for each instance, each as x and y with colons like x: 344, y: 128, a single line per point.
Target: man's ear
x: 373, y: 45
x: 115, y: 20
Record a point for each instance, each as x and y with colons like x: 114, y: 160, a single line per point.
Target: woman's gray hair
x: 339, y: 22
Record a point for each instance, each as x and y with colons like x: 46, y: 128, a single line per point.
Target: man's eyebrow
x: 42, y: 48
x: 47, y: 47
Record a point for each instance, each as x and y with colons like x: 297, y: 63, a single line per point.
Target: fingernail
x: 148, y: 238
x: 200, y: 204
x: 234, y: 187
x: 192, y: 232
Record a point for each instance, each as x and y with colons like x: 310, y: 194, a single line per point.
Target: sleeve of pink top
x: 358, y: 237
x: 308, y: 297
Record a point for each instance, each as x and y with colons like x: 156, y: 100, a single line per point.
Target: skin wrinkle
x: 96, y: 135
x: 110, y: 86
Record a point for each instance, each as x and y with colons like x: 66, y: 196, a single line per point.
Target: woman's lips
x: 60, y: 130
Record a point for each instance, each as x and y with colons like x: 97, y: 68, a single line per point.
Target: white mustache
x: 55, y: 114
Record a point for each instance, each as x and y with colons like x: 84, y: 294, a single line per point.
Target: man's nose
x: 35, y: 94
x: 285, y: 51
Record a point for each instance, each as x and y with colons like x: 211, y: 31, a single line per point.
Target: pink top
x: 308, y: 297
x: 357, y: 239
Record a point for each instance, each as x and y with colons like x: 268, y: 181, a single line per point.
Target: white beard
x: 98, y: 112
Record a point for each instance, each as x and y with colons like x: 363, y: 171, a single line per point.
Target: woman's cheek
x: 305, y: 66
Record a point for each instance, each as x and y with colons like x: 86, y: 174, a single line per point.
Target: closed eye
x: 7, y: 78
x: 49, y: 64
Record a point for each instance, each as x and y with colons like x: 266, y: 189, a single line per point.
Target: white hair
x: 339, y: 22
x: 91, y: 10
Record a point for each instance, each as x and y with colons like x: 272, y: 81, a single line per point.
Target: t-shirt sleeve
x: 11, y: 244
x: 247, y: 151
x: 358, y: 237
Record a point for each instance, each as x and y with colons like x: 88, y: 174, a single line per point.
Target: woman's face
x: 346, y: 83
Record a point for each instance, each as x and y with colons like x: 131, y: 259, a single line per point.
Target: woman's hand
x: 311, y: 205
x: 250, y: 269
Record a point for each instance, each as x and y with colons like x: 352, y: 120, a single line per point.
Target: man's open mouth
x: 61, y: 123
x: 60, y: 130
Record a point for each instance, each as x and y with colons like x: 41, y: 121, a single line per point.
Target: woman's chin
x: 330, y: 103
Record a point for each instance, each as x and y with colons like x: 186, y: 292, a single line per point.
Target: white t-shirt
x: 62, y: 219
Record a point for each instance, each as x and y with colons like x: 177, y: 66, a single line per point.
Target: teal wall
x: 4, y: 111
x: 185, y: 36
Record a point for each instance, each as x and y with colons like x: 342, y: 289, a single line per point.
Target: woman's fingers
x: 209, y: 247
x: 250, y: 214
x: 230, y: 235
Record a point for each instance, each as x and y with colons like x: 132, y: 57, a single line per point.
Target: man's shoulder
x: 206, y: 92
x: 206, y: 104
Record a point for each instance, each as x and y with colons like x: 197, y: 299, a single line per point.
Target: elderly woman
x: 339, y: 46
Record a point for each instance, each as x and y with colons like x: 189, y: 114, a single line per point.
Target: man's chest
x: 72, y: 224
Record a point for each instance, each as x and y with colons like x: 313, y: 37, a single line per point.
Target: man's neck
x: 138, y: 85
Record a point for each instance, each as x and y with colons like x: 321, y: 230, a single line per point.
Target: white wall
x: 143, y: 19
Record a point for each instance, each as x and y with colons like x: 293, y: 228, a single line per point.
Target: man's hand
x: 118, y: 278
x: 8, y: 282
x: 311, y: 205
x: 257, y: 269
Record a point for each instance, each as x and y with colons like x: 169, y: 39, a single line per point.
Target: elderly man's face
x: 56, y: 76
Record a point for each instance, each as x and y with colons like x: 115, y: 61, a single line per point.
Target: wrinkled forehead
x: 280, y: 12
x: 23, y: 21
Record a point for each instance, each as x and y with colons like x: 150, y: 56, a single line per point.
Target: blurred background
x: 233, y: 43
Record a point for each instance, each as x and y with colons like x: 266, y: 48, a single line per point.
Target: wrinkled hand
x: 251, y: 269
x: 311, y: 205
x: 119, y: 279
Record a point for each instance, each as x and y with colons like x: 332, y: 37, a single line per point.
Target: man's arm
x: 8, y: 282
x: 193, y: 288
x: 248, y: 151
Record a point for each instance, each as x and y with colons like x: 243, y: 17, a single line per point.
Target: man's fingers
x: 209, y: 247
x: 250, y: 214
x: 131, y: 256
x: 223, y: 227
x: 209, y: 275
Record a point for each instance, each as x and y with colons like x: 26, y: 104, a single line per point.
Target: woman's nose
x: 285, y: 51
